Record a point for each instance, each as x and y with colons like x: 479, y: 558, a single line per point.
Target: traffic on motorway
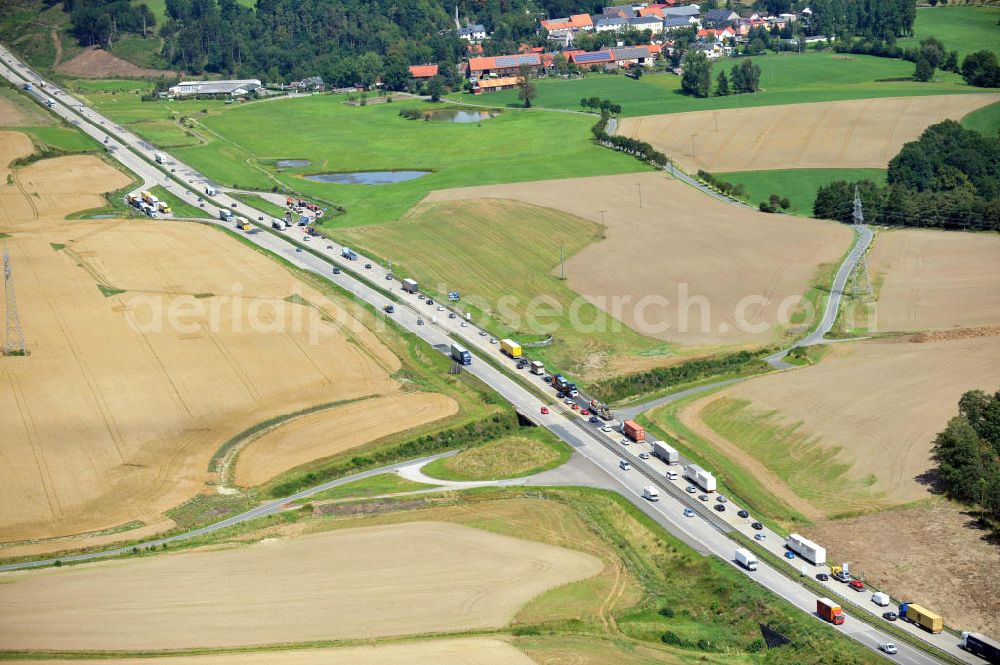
x: 681, y: 512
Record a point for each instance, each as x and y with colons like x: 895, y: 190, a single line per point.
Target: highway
x: 525, y: 393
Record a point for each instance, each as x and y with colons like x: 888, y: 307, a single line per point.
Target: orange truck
x: 829, y: 611
x: 633, y: 430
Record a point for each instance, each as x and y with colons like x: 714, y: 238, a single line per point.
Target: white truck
x: 746, y: 559
x: 806, y: 549
x: 211, y: 191
x: 650, y: 493
x: 158, y: 157
x: 665, y: 452
x: 880, y: 599
x: 537, y: 367
x: 700, y: 477
x: 278, y: 224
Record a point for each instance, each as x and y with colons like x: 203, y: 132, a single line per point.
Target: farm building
x: 423, y: 72
x: 569, y: 24
x: 472, y: 33
x: 612, y: 58
x: 237, y: 88
x: 502, y: 65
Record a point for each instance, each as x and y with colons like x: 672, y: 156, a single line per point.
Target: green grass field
x: 799, y: 185
x: 965, y: 29
x: 986, y: 120
x: 466, y: 246
x: 529, y: 452
x: 787, y: 78
x: 177, y: 206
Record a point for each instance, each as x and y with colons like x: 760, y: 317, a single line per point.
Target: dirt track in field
x: 404, y: 579
x: 461, y: 651
x: 881, y: 402
x: 338, y: 429
x: 936, y: 279
x: 681, y: 257
x: 127, y: 392
x: 864, y: 133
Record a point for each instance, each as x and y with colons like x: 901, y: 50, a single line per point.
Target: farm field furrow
x: 682, y: 268
x: 843, y: 134
x: 403, y: 579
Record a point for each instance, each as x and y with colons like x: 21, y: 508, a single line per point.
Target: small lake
x: 293, y: 163
x: 367, y: 177
x: 456, y: 115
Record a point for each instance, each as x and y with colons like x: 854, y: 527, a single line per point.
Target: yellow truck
x: 511, y: 348
x: 242, y: 224
x: 164, y: 208
x: 922, y: 617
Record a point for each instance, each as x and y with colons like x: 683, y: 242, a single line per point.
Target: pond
x: 456, y: 115
x: 293, y: 163
x: 367, y: 177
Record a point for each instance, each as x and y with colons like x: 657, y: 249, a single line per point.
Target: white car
x: 493, y: 340
x: 888, y: 647
x: 625, y: 465
x: 643, y: 455
x: 625, y: 442
x: 440, y: 308
x: 688, y: 512
x: 760, y: 536
x: 464, y: 324
x: 691, y: 489
x: 607, y: 428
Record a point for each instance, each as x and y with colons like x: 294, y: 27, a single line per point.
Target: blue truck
x: 460, y: 355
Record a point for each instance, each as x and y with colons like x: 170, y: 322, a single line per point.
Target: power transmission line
x: 14, y: 338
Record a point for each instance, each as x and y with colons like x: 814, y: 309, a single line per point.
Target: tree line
x: 103, y: 22
x: 949, y: 178
x: 697, y: 77
x: 968, y: 454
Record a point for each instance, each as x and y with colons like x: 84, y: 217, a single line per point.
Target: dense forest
x: 948, y: 178
x: 968, y: 454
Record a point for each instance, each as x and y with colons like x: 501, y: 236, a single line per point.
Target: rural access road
x: 514, y: 387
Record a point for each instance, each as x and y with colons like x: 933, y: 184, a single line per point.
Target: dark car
x: 234, y: 205
x: 595, y: 419
x: 822, y: 577
x: 889, y: 616
x: 757, y: 526
x: 368, y: 266
x: 721, y: 508
x: 336, y: 271
x: 743, y: 513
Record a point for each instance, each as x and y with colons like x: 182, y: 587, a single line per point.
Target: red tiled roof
x: 652, y: 10
x: 504, y: 62
x: 423, y: 71
x: 575, y: 21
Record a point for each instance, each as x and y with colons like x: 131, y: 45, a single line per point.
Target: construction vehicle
x: 511, y: 348
x: 829, y: 611
x: 746, y: 559
x: 982, y: 646
x: 666, y: 453
x: 564, y: 386
x: 460, y: 354
x: 700, y: 477
x: 922, y: 617
x: 806, y: 549
x: 634, y: 430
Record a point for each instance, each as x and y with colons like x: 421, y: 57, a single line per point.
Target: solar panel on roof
x: 630, y: 53
x: 596, y: 56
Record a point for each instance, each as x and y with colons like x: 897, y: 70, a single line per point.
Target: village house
x: 472, y: 33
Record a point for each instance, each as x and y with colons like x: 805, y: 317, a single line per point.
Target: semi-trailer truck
x: 806, y: 549
x: 510, y: 348
x: 211, y: 191
x: 746, y: 559
x: 922, y: 617
x: 410, y: 285
x: 665, y: 452
x: 278, y: 224
x: 225, y: 215
x: 348, y: 254
x: 700, y: 477
x: 829, y: 611
x: 982, y: 646
x: 460, y: 354
x: 634, y: 430
x: 537, y: 367
x: 158, y: 157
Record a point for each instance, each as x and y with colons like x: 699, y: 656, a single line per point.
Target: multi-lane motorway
x: 439, y: 330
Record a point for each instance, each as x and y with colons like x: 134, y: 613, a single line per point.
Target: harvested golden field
x: 404, y: 579
x: 461, y: 651
x: 936, y: 279
x: 864, y: 133
x: 335, y: 430
x: 682, y: 267
x: 150, y: 345
x: 855, y: 432
x: 937, y: 536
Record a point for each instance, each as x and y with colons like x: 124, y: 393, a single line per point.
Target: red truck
x: 633, y: 430
x: 829, y: 611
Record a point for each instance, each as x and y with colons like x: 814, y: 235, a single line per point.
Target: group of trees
x: 605, y: 106
x: 697, y: 78
x: 981, y: 69
x: 968, y: 454
x: 883, y: 20
x: 103, y: 22
x: 627, y: 144
x: 949, y: 178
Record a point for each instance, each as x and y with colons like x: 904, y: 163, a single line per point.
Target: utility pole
x: 639, y: 185
x: 716, y: 123
x: 692, y: 145
x: 13, y: 343
x: 603, y: 213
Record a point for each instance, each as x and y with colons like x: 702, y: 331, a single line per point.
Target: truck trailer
x: 410, y: 285
x: 665, y: 452
x: 829, y: 611
x: 806, y: 549
x: 225, y: 215
x: 537, y: 367
x: 564, y: 385
x: 211, y: 191
x: 348, y: 254
x: 922, y: 617
x: 982, y: 646
x: 700, y: 477
x: 278, y: 224
x: 460, y: 354
x: 634, y: 430
x: 158, y: 157
x: 746, y: 559
x: 510, y: 347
